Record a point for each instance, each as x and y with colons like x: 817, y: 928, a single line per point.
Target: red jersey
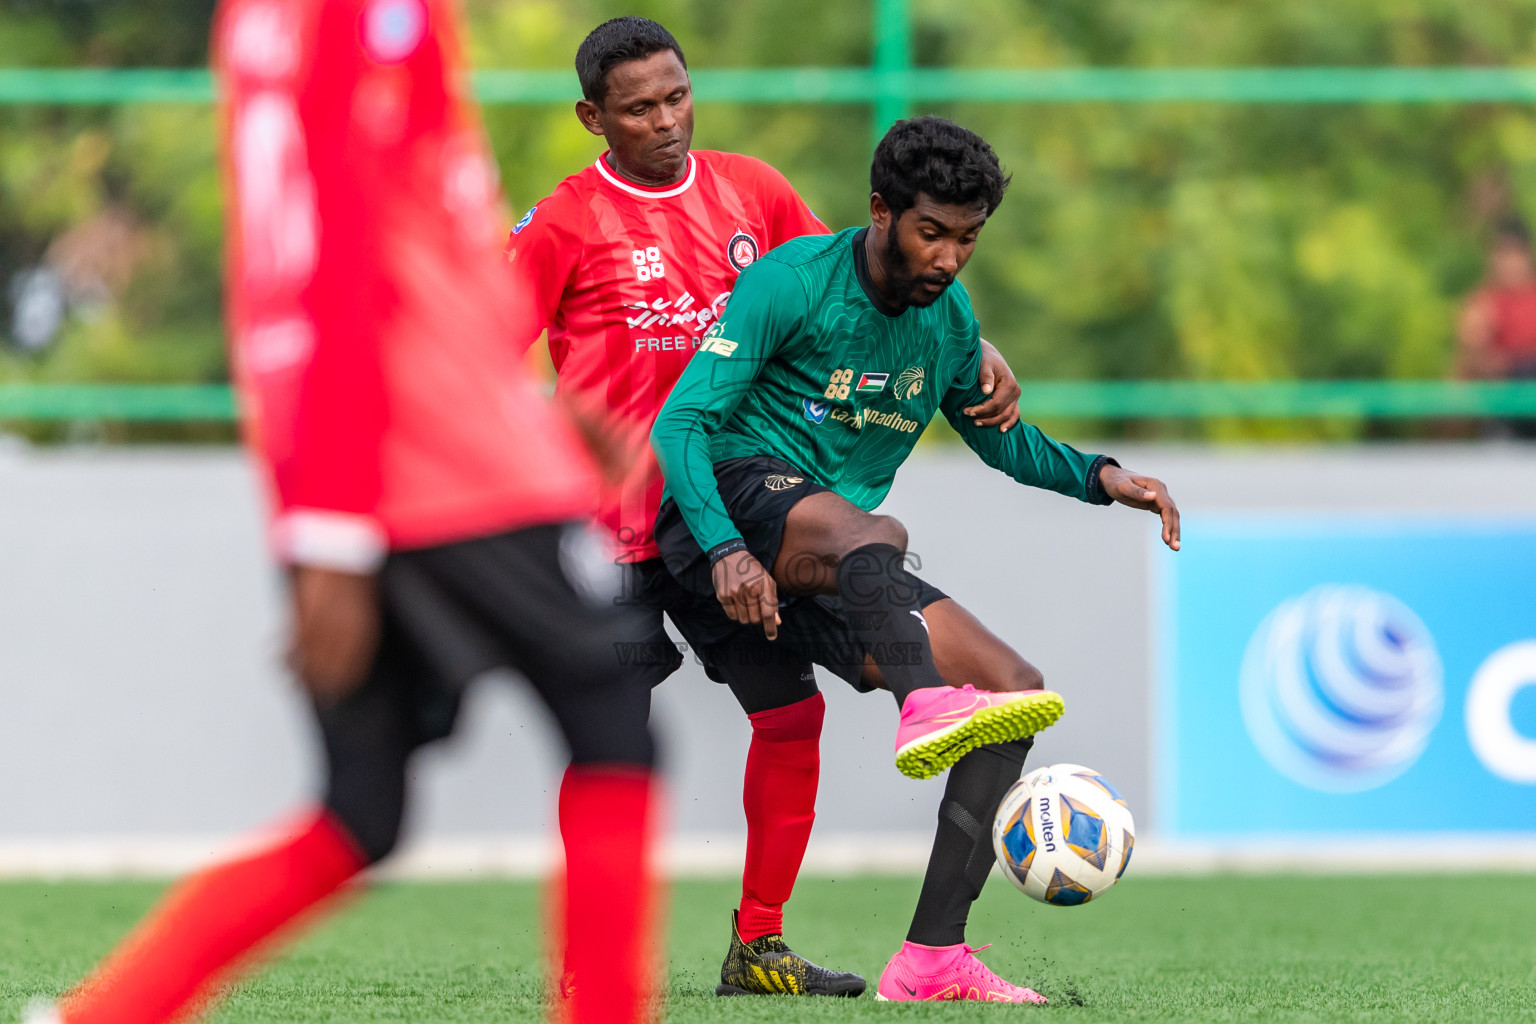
x: 1513, y: 321
x: 368, y: 310
x: 627, y: 280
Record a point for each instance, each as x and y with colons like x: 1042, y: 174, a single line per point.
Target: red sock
x: 210, y: 923
x: 605, y: 823
x: 779, y: 794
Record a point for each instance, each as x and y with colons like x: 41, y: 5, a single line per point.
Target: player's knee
x: 863, y: 557
x: 886, y: 530
x: 871, y: 530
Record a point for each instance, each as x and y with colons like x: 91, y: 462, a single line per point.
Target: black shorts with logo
x: 758, y: 492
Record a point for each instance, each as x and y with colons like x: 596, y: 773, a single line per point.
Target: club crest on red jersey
x: 741, y: 251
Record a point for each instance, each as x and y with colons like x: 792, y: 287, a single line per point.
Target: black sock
x: 881, y: 600
x: 962, y: 847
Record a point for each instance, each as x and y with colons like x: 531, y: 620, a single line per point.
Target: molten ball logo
x: 1341, y: 688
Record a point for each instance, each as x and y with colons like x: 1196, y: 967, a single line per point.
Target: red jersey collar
x: 645, y: 192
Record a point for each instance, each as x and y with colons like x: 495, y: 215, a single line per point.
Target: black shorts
x: 544, y: 601
x: 655, y: 592
x: 651, y: 655
x: 758, y: 492
x: 717, y: 643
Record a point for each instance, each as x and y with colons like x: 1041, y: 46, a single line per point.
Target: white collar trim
x: 645, y: 193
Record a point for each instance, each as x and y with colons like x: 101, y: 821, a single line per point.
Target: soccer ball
x: 1063, y: 835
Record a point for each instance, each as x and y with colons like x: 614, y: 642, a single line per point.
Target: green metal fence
x: 1146, y: 399
x: 891, y: 90
x: 164, y: 403
x: 890, y: 86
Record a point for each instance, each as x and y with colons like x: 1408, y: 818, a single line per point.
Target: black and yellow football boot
x: 768, y: 967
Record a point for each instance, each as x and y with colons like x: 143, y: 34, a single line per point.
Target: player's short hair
x: 929, y: 154
x: 615, y: 42
x: 1513, y: 229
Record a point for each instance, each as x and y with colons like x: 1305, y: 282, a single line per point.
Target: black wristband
x: 719, y: 551
x: 1096, y: 493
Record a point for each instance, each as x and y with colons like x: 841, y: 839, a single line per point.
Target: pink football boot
x: 930, y: 973
x: 941, y: 724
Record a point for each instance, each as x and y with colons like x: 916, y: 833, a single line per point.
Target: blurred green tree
x: 1170, y: 240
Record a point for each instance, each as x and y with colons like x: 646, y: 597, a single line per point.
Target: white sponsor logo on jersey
x: 684, y: 314
x: 279, y: 224
x: 648, y: 264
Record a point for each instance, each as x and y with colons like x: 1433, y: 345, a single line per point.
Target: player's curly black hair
x: 613, y: 43
x: 1513, y: 229
x: 949, y: 163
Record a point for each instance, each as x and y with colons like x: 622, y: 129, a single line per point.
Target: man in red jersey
x: 1497, y: 328
x: 429, y: 503
x: 627, y: 265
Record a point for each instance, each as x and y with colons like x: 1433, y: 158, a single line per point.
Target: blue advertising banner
x: 1336, y: 675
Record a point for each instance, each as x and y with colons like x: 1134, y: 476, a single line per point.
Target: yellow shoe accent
x: 766, y: 966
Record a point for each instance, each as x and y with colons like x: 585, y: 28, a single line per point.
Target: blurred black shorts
x: 545, y: 601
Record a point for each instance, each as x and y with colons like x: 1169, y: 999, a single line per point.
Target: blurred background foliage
x: 1175, y: 240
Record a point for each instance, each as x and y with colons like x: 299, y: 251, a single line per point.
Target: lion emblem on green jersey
x: 909, y: 382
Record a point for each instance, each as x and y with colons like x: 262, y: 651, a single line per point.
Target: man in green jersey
x: 787, y: 428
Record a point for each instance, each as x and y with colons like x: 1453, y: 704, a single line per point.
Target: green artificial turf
x: 1203, y: 949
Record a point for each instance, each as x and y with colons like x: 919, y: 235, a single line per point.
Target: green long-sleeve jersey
x: 809, y: 365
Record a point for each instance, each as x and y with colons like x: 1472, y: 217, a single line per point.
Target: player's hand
x: 997, y: 379
x: 1144, y: 492
x: 747, y: 592
x: 335, y: 630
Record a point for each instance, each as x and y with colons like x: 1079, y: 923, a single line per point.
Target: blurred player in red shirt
x: 627, y: 265
x: 427, y: 500
x: 1497, y: 329
x: 1498, y: 323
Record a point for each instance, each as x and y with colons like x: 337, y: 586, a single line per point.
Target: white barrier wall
x: 146, y: 718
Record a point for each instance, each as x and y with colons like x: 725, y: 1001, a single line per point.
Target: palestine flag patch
x: 872, y: 381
